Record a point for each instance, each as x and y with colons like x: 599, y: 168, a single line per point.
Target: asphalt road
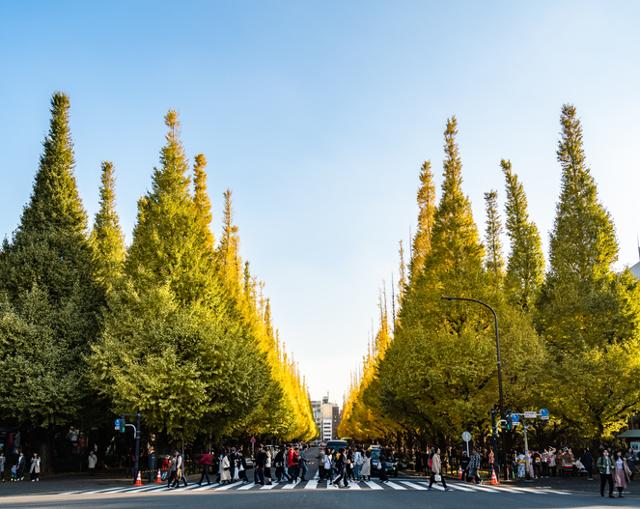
x: 404, y: 492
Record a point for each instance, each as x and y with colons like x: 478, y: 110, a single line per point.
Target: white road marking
x: 478, y: 487
x: 312, y: 485
x: 395, y: 486
x: 228, y: 486
x: 207, y: 487
x: 290, y: 486
x: 414, y: 485
x: 373, y: 485
x: 459, y: 487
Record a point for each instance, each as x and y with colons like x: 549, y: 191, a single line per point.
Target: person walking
x: 328, y: 467
x: 225, y: 468
x: 242, y: 465
x: 292, y: 465
x: 320, y: 458
x: 302, y: 463
x: 92, y: 461
x: 180, y: 471
x: 3, y: 462
x: 605, y: 467
x: 20, y: 466
x: 261, y: 461
x: 358, y: 460
x: 205, y: 462
x: 173, y: 465
x: 35, y: 467
x: 267, y: 467
x: 365, y: 471
x: 436, y: 470
x: 621, y: 474
x: 474, y: 466
x: 340, y: 466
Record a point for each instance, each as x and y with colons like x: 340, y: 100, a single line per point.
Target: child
x: 14, y: 473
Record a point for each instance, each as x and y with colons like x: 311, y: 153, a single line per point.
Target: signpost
x: 253, y: 446
x: 466, y: 436
x: 543, y: 414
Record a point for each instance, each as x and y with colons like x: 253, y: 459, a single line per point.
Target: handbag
x: 437, y: 477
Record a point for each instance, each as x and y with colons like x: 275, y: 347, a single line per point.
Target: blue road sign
x: 544, y: 413
x: 116, y: 424
x: 515, y: 418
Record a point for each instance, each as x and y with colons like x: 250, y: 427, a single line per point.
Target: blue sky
x: 318, y: 115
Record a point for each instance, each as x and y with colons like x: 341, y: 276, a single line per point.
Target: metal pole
x: 499, y: 363
x: 524, y: 426
x: 137, y: 469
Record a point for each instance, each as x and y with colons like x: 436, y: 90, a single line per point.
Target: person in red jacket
x: 292, y: 465
x: 206, y: 460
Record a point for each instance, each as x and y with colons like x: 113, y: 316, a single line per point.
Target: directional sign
x: 530, y: 415
x: 544, y: 414
x: 116, y: 424
x: 466, y: 436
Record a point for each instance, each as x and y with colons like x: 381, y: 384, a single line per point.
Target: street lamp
x: 495, y: 317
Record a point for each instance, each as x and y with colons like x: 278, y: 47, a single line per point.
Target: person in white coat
x: 365, y: 470
x: 436, y: 470
x: 35, y: 468
x: 92, y: 461
x: 225, y: 469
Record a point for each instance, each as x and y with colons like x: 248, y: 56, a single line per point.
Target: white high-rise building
x: 327, y: 418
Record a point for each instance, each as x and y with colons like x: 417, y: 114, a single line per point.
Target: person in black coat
x: 587, y: 461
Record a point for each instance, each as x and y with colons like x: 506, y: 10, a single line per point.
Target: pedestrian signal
x: 120, y: 425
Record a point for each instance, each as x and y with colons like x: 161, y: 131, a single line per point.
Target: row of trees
x: 570, y: 334
x: 175, y: 325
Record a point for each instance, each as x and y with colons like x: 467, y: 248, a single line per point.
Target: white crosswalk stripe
x: 395, y: 486
x: 459, y: 487
x: 402, y: 484
x: 228, y: 486
x: 414, y: 485
x: 207, y: 487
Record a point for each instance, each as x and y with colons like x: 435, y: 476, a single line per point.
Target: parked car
x: 380, y: 463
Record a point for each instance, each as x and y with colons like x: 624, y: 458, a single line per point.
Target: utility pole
x: 137, y: 469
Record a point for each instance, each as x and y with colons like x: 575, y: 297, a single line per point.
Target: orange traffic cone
x: 494, y: 478
x: 159, y: 478
x: 138, y: 480
x: 459, y: 473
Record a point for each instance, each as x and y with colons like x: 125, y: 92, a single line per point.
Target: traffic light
x: 120, y: 425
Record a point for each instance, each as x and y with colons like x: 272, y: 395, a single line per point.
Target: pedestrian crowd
x: 18, y: 467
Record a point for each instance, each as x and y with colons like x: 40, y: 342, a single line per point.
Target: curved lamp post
x: 495, y: 317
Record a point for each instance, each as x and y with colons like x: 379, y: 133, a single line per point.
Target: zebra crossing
x: 399, y: 484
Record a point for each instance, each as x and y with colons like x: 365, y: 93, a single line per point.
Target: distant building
x: 327, y: 417
x: 635, y: 270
